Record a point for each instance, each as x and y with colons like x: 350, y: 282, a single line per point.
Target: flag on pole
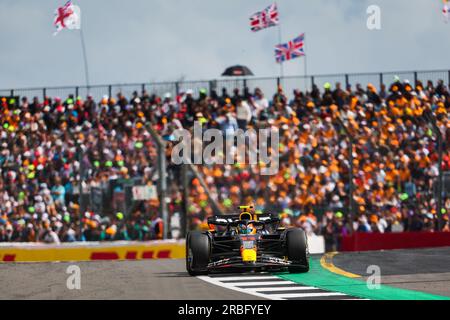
x: 292, y: 49
x: 67, y: 17
x: 445, y: 11
x: 265, y: 19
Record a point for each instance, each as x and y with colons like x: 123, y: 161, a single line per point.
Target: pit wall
x: 389, y: 241
x: 94, y: 251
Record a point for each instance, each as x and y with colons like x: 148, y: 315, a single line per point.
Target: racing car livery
x: 246, y: 241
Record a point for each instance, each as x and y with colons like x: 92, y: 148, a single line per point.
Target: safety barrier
x: 388, y: 241
x: 121, y: 250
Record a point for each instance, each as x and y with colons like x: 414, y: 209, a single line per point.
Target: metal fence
x: 268, y: 84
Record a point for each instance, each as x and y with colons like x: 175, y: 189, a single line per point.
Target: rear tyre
x: 297, y: 250
x: 197, y: 253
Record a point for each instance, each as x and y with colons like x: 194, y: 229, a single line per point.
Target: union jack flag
x: 292, y: 49
x: 265, y: 19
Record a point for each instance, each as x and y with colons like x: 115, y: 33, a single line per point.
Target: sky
x: 137, y: 41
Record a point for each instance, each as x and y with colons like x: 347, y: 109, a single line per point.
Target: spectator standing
x: 243, y: 114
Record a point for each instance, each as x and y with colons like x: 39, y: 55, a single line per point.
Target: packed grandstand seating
x: 395, y: 160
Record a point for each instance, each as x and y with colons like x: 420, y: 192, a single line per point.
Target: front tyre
x: 297, y: 250
x: 197, y: 253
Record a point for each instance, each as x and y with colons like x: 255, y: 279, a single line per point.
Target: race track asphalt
x: 426, y: 270
x: 116, y: 280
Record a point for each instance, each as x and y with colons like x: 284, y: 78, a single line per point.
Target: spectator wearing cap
x: 327, y: 97
x: 330, y: 230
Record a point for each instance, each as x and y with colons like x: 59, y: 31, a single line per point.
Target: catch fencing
x: 268, y: 85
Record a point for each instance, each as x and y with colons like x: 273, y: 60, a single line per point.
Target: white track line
x: 271, y: 293
x: 285, y: 289
x: 245, y: 278
x: 233, y: 287
x: 258, y: 283
x: 307, y: 295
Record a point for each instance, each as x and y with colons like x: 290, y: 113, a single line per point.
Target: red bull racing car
x: 246, y: 241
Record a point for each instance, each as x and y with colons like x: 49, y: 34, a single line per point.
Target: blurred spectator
x: 395, y: 160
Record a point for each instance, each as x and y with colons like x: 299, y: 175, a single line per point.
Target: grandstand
x: 50, y: 137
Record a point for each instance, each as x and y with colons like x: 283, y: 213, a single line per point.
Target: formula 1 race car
x: 246, y: 241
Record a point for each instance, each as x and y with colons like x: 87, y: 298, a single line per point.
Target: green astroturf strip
x: 322, y: 278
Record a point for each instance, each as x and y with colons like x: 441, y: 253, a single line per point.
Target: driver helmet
x: 242, y: 228
x: 246, y: 229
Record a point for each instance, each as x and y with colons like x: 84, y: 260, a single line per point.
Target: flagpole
x: 80, y: 149
x: 305, y: 64
x: 280, y: 42
x: 86, y: 66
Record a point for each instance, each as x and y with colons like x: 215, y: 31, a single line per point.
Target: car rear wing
x: 231, y: 219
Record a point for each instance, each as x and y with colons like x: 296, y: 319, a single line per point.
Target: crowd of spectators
x: 41, y: 143
x: 395, y: 160
x: 395, y: 156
